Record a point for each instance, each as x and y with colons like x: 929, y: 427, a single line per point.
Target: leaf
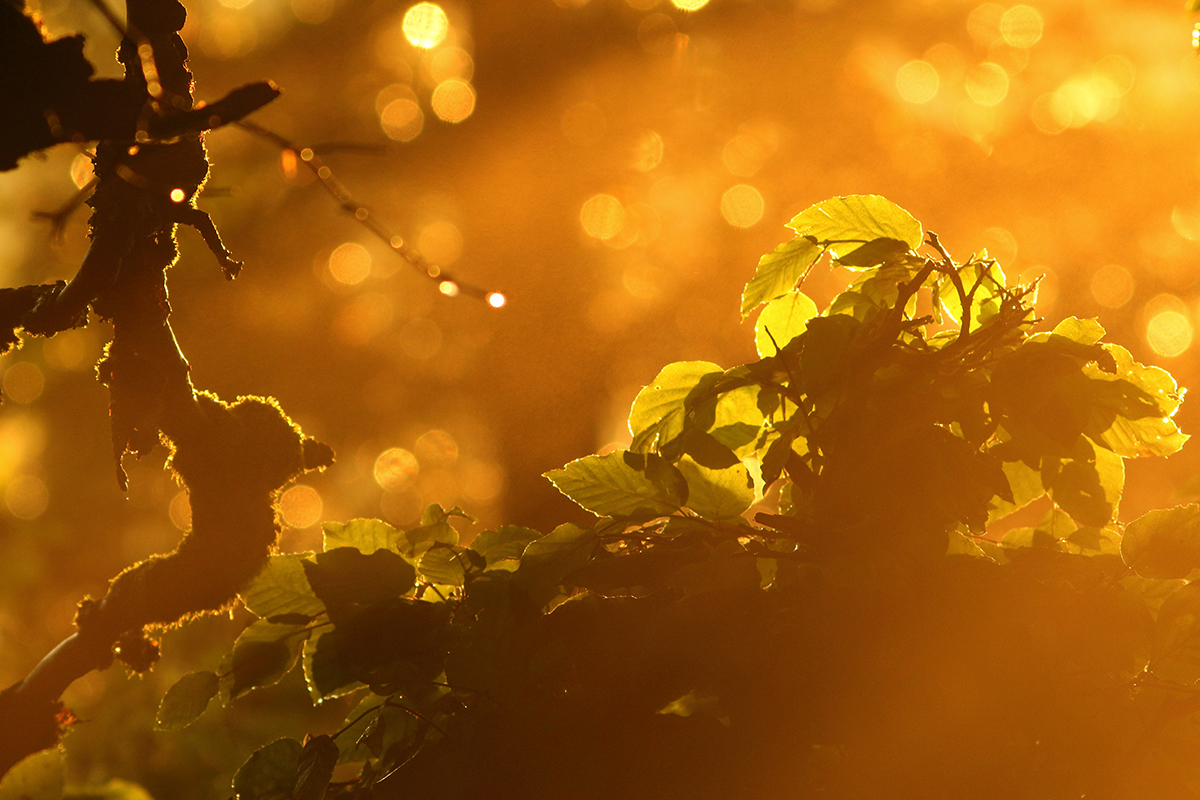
x: 270, y: 772
x: 186, y: 700
x: 35, y: 777
x: 609, y: 486
x: 1164, y: 543
x: 846, y: 224
x: 446, y: 565
x: 782, y: 320
x: 717, y: 494
x: 547, y: 561
x: 1089, y: 489
x: 1024, y: 482
x: 258, y: 663
x: 778, y: 272
x: 1176, y: 654
x: 504, y: 543
x: 367, y: 535
x: 317, y: 760
x: 345, y: 577
x: 657, y: 414
x: 325, y: 673
x: 282, y: 588
x: 115, y: 789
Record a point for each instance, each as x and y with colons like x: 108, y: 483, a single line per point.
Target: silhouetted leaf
x: 270, y: 773
x: 282, y: 588
x: 1164, y: 543
x: 547, y: 561
x: 345, y: 577
x: 186, y: 700
x: 506, y: 542
x: 258, y: 663
x: 1176, y: 655
x: 317, y: 760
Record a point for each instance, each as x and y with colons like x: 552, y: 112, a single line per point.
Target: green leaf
x: 282, y: 588
x: 115, y: 789
x: 367, y: 535
x: 1164, y: 543
x: 609, y: 486
x: 505, y: 543
x: 1024, y: 481
x: 782, y: 320
x: 547, y: 561
x: 270, y: 773
x: 345, y: 577
x: 325, y: 673
x: 257, y: 663
x: 35, y: 777
x: 1089, y: 486
x: 435, y: 528
x: 186, y: 700
x: 446, y: 565
x: 846, y: 224
x: 657, y: 414
x: 778, y: 272
x: 317, y: 760
x: 1176, y: 654
x: 717, y: 494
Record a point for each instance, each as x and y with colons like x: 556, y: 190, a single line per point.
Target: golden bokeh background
x: 614, y: 168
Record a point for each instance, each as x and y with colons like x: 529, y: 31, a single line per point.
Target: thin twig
x: 447, y: 283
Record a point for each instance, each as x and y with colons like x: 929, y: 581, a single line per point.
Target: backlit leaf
x: 657, y: 414
x: 317, y: 760
x: 345, y: 577
x: 782, y: 320
x: 547, y: 561
x: 609, y: 486
x: 506, y: 542
x: 717, y: 494
x: 186, y: 700
x: 848, y: 223
x: 367, y: 535
x: 35, y: 777
x: 282, y: 588
x: 1164, y: 543
x: 778, y: 272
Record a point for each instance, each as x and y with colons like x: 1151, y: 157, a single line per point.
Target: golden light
x: 301, y: 507
x: 648, y: 152
x: 1051, y: 113
x: 448, y: 288
x: 496, y: 300
x: 178, y: 195
x: 287, y: 163
x: 402, y: 120
x: 1169, y: 333
x: 440, y: 242
x: 421, y: 338
x: 918, y: 81
x: 180, y: 511
x: 312, y: 12
x: 584, y: 123
x: 426, y: 25
x: 350, y: 263
x: 1118, y: 71
x: 81, y: 170
x: 436, y: 448
x: 602, y: 216
x: 23, y: 382
x: 361, y: 320
x: 743, y: 155
x: 481, y: 481
x: 1021, y: 26
x: 451, y: 62
x: 742, y: 205
x: 395, y: 469
x: 689, y: 5
x: 231, y: 35
x: 1112, y: 286
x: 453, y: 100
x: 983, y: 23
x: 987, y: 84
x: 26, y: 497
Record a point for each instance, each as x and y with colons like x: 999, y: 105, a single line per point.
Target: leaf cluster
x: 790, y: 589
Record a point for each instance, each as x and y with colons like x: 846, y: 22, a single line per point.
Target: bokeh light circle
x: 1169, y: 333
x: 453, y: 100
x: 602, y: 216
x: 425, y: 25
x: 350, y: 263
x: 301, y: 507
x: 742, y: 205
x: 918, y: 82
x: 1112, y: 286
x: 395, y: 469
x: 402, y: 120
